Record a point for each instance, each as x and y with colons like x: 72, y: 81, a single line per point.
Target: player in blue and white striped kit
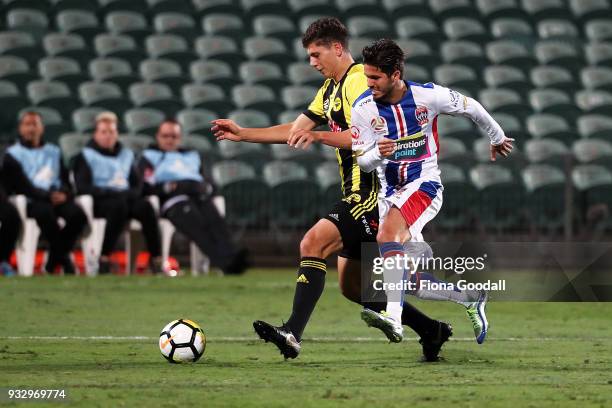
x: 394, y: 130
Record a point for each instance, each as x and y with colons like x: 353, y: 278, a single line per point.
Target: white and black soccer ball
x: 182, y: 341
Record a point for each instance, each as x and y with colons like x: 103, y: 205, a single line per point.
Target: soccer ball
x: 182, y: 341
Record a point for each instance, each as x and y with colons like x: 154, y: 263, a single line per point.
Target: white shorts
x: 418, y: 201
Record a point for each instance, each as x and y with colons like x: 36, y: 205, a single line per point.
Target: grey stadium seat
x: 176, y: 23
x: 219, y: 48
x: 593, y: 151
x: 557, y: 29
x: 267, y: 49
x: 119, y: 46
x: 504, y: 100
x: 418, y: 52
x: 599, y: 54
x: 511, y: 53
x: 12, y: 102
x: 275, y: 26
x: 69, y: 46
x: 512, y: 29
x: 155, y: 95
x: 417, y: 73
x: 172, y: 47
x: 163, y: 70
x: 113, y: 70
x: 368, y: 26
x: 83, y: 23
x: 463, y: 52
x: 597, y: 78
x: 553, y: 77
x: 546, y: 150
x: 16, y: 70
x: 165, y: 6
x: 225, y: 24
x: 298, y: 97
x: 461, y: 28
x: 419, y: 28
x: 257, y: 97
x: 62, y: 69
x: 559, y: 53
x: 106, y: 6
x: 502, y: 76
x: 253, y: 8
x: 553, y: 101
x: 543, y: 9
x: 311, y: 7
x: 262, y: 73
x: 143, y: 120
x: 84, y: 119
x: 207, y: 96
x: 301, y: 73
x: 52, y: 94
x: 205, y: 7
x: 196, y: 120
x: 585, y: 10
x: 594, y: 101
x: 398, y: 8
x: 546, y: 125
x: 456, y: 76
x: 599, y: 29
x: 128, y: 23
x: 136, y: 143
x: 456, y: 127
x: 512, y: 126
x: 250, y: 118
x: 214, y: 72
x: 21, y: 45
x: 105, y: 95
x: 351, y: 8
x: 595, y: 126
x: 492, y: 9
x: 31, y: 21
x: 445, y: 9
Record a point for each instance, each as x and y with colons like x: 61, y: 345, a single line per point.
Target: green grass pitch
x: 97, y: 338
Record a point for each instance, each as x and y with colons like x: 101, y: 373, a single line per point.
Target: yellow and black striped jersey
x: 332, y: 104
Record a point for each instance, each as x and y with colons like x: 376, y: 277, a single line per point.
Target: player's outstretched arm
x: 227, y: 129
x: 302, y: 138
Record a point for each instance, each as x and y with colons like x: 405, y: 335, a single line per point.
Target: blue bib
x: 174, y: 166
x: 111, y: 172
x: 41, y: 165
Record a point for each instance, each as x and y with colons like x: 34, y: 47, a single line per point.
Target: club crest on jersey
x: 337, y: 104
x: 421, y: 115
x: 379, y: 125
x: 354, y: 132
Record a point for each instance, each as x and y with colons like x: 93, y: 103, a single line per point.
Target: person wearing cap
x: 106, y: 170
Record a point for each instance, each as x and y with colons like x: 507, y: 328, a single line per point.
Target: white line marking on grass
x: 239, y: 339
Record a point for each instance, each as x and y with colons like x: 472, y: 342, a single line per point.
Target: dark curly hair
x: 324, y: 31
x: 385, y: 55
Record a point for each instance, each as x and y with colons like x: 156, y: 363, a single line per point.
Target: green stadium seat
x: 113, y: 70
x: 398, y: 8
x: 130, y: 23
x: 327, y: 176
x: 599, y: 29
x: 594, y: 101
x: 171, y: 47
x: 69, y: 46
x: 561, y: 53
x: 460, y: 195
x: 84, y: 119
x: 493, y: 9
x: 20, y: 44
x: 553, y: 101
x: 596, y: 126
x: 254, y: 154
x: 155, y: 95
x: 504, y: 100
x: 585, y: 10
x: 246, y: 196
x: 599, y: 54
x: 52, y: 119
x: 196, y: 121
x: 267, y: 49
x: 165, y: 6
x: 546, y: 151
x: 302, y: 8
x: 546, y: 125
x: 294, y: 197
x: 107, y: 6
x: 253, y: 8
x: 545, y: 9
x: 213, y: 72
x: 176, y: 23
x: 219, y: 48
x: 468, y: 29
x: 456, y: 76
x: 106, y: 95
x: 464, y: 53
x: 418, y: 52
x: 444, y: 9
x: 262, y: 73
x: 599, y: 78
x: 143, y: 120
x: 52, y: 94
x: 510, y: 53
x: 593, y: 151
x: 258, y: 97
x: 301, y: 73
x: 545, y: 185
x: 34, y: 22
x: 207, y: 96
x: 119, y: 46
x: 503, y: 76
x: 417, y: 73
x: 12, y: 102
x: 352, y: 8
x: 278, y: 26
x: 205, y: 7
x: 62, y: 69
x: 163, y: 70
x: 71, y: 144
x: 224, y: 24
x: 83, y: 23
x: 250, y: 118
x: 298, y: 97
x: 456, y: 127
x: 16, y: 70
x: 553, y: 77
x: 368, y: 26
x: 419, y: 28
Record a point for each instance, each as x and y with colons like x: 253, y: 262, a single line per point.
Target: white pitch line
x: 239, y: 339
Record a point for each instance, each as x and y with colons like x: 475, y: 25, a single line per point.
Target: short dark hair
x: 385, y: 55
x: 23, y: 115
x: 324, y: 31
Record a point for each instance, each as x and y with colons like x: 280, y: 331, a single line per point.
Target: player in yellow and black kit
x: 351, y: 221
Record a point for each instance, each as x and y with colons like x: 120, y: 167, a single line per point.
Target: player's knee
x: 310, y: 245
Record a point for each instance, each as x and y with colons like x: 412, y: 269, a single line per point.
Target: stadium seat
x: 547, y: 125
x: 293, y: 196
x: 52, y: 119
x: 171, y: 47
x: 585, y: 10
x: 34, y: 22
x: 250, y: 118
x: 352, y: 8
x: 165, y: 6
x: 246, y: 196
x: 85, y: 5
x: 328, y: 178
x: 196, y: 121
x: 594, y: 101
x: 68, y: 46
x: 254, y: 154
x: 499, y: 196
x: 512, y: 126
x: 416, y: 73
x: 456, y: 127
x: 553, y: 77
x: 224, y: 24
x: 205, y: 7
x: 593, y: 151
x: 83, y: 23
x: 107, y: 6
x: 113, y: 70
x: 258, y: 97
x: 62, y: 69
x: 418, y: 52
x: 419, y: 28
x: 553, y: 101
x: 599, y: 29
x: 277, y: 26
x: 482, y: 153
x: 288, y: 116
x: 599, y: 54
x: 308, y: 158
x: 510, y: 53
x: 493, y: 9
x: 267, y: 49
x: 253, y: 8
x: 502, y: 76
x: 207, y: 96
x: 546, y: 151
x: 298, y: 97
x: 398, y: 8
x: 594, y: 184
x: 204, y: 146
x: 105, y: 95
x: 306, y: 20
x: 301, y: 73
x: 545, y: 185
x: 262, y: 73
x: 357, y: 45
x: 368, y: 26
x: 143, y: 120
x: 504, y: 100
x: 544, y: 9
x: 119, y: 46
x: 52, y: 94
x: 445, y: 9
x: 129, y: 23
x: 515, y: 29
x: 456, y: 76
x: 71, y: 144
x: 464, y: 53
x: 214, y: 72
x: 460, y: 197
x: 12, y: 102
x: 84, y: 119
x: 557, y: 29
x: 561, y: 53
x: 219, y: 48
x: 19, y: 44
x: 302, y: 8
x: 41, y: 5
x: 163, y: 70
x: 468, y: 29
x: 16, y: 70
x: 595, y: 126
x: 136, y: 143
x: 453, y: 151
x: 597, y: 78
x: 176, y: 23
x: 155, y: 95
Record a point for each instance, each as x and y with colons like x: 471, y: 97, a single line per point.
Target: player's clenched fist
x: 386, y: 146
x: 226, y: 129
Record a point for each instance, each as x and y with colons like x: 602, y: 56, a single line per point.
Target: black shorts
x: 356, y: 217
